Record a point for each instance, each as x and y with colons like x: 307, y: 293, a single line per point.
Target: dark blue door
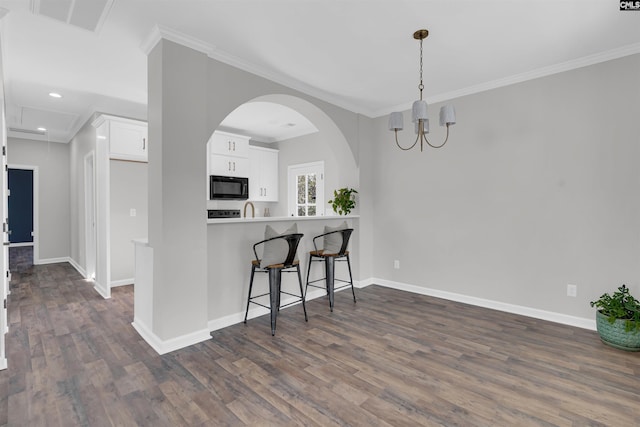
x: 20, y: 183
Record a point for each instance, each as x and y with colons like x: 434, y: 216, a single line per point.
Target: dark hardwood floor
x: 392, y: 359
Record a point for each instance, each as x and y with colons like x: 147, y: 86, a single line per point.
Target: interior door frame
x: 36, y: 210
x: 90, y: 233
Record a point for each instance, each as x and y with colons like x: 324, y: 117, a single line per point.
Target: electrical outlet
x: 572, y: 290
x: 132, y: 212
x: 396, y: 264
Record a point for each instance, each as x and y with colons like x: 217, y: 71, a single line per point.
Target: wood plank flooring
x: 392, y: 359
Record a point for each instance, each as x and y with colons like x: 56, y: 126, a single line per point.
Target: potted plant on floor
x: 343, y: 201
x: 618, y: 319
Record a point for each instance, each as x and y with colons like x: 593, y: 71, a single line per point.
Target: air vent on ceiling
x: 30, y: 131
x: 87, y: 14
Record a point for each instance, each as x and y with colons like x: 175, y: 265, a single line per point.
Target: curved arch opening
x: 302, y: 133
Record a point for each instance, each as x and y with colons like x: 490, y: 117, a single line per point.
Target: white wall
x: 52, y: 160
x: 537, y: 188
x: 129, y: 190
x: 82, y: 143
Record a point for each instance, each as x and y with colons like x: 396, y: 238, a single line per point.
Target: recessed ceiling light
x: 55, y: 95
x: 41, y: 129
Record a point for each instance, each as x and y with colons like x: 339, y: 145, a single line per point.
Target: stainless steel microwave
x: 228, y: 188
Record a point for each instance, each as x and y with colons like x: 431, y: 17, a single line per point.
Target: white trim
x: 166, y: 346
x: 90, y: 227
x: 3, y: 363
x: 122, y: 282
x: 75, y: 265
x: 292, y: 187
x: 162, y: 32
x: 551, y: 316
x: 52, y: 261
x: 235, y: 318
x: 104, y: 291
x: 585, y: 61
x: 20, y: 245
x: 36, y: 206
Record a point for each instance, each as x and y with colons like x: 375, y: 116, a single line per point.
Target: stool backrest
x: 346, y: 235
x: 293, y: 240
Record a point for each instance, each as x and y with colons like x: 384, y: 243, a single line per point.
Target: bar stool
x: 276, y: 266
x: 331, y: 252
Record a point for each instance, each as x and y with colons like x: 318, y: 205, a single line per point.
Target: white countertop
x: 280, y: 218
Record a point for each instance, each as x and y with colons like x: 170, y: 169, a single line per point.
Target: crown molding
x: 585, y: 61
x: 161, y: 32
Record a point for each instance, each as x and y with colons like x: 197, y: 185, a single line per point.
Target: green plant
x: 620, y: 305
x: 343, y: 201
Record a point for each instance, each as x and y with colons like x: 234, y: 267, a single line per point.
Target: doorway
x: 22, y: 211
x: 90, y: 216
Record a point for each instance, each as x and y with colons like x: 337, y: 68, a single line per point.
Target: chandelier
x: 419, y: 112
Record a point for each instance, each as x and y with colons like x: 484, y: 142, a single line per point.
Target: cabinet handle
x: 144, y: 143
x: 234, y: 166
x: 229, y: 142
x: 234, y: 146
x: 229, y: 168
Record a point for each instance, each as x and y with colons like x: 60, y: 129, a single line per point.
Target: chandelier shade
x: 396, y: 121
x: 419, y: 112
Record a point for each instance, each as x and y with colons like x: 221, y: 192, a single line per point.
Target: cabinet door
x: 128, y: 141
x: 229, y: 145
x: 269, y: 175
x: 263, y: 178
x: 228, y: 166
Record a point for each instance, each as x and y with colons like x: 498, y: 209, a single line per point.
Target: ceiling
x: 357, y: 54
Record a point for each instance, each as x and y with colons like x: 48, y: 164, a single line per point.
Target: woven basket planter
x: 614, y: 334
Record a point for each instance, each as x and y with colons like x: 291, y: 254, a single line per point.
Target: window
x: 306, y: 189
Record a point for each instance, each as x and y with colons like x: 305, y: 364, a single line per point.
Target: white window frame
x: 293, y: 172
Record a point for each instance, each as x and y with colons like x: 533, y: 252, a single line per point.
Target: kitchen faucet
x: 253, y: 209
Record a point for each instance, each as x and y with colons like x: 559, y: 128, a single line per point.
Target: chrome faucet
x: 253, y: 210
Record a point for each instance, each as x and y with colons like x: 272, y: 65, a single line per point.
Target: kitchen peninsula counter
x: 230, y: 252
x: 281, y: 218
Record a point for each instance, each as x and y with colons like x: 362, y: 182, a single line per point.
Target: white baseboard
x: 75, y: 265
x: 3, y: 363
x: 123, y: 282
x: 235, y: 318
x: 52, y: 260
x: 167, y: 346
x: 565, y: 319
x: 102, y: 290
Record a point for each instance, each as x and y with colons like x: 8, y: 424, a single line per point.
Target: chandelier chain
x: 421, y: 86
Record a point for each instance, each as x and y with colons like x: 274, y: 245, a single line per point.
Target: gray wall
x: 181, y: 118
x: 52, y: 160
x: 128, y: 188
x: 537, y: 188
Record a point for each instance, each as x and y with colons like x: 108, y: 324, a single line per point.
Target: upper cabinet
x: 228, y: 144
x: 228, y: 155
x: 263, y: 178
x: 127, y: 138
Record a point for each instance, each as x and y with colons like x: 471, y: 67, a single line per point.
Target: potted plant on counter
x: 343, y: 200
x: 618, y: 319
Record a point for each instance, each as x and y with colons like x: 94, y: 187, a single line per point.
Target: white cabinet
x: 127, y: 138
x: 263, y: 178
x: 228, y: 166
x: 228, y: 144
x: 228, y: 154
